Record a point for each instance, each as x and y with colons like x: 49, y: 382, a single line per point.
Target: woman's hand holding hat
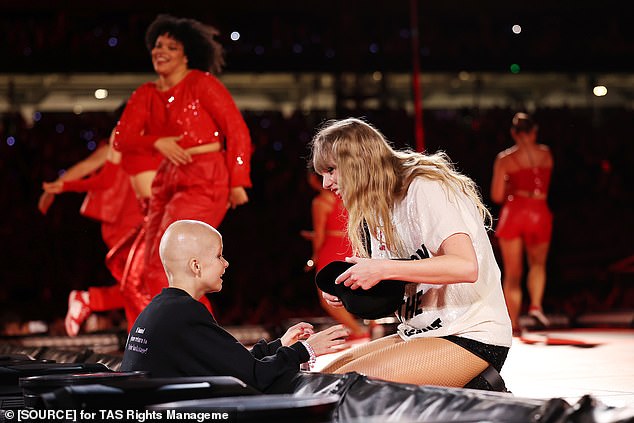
x: 365, y: 273
x: 331, y: 299
x: 379, y: 300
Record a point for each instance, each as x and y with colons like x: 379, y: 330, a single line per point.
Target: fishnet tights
x: 422, y: 361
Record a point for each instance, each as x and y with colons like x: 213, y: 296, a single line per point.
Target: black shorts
x: 495, y: 355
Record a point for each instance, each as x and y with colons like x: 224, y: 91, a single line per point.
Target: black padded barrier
x: 278, y: 408
x: 113, y: 362
x: 363, y: 399
x: 59, y: 355
x: 15, y: 359
x: 11, y: 395
x: 10, y: 374
x: 34, y: 387
x: 138, y: 393
x: 7, y: 348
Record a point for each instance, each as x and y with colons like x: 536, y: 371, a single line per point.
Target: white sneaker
x: 78, y: 311
x: 539, y: 315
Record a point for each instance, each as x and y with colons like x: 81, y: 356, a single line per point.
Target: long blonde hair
x: 373, y: 177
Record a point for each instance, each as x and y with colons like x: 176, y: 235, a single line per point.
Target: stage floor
x: 605, y: 371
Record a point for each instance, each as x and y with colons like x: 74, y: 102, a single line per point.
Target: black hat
x: 381, y: 300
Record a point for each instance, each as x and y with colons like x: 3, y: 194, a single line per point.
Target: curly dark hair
x: 202, y: 50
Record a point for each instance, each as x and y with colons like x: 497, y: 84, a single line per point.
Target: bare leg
x: 536, y: 280
x: 512, y: 282
x: 360, y: 351
x: 341, y: 315
x: 422, y: 361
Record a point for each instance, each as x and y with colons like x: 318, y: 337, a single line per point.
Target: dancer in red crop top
x: 185, y: 125
x: 521, y: 177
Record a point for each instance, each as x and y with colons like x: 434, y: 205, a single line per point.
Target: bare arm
x: 80, y: 169
x: 498, y: 183
x: 456, y: 262
x: 85, y: 167
x: 549, y: 155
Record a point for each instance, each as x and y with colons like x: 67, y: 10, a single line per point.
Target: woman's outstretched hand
x: 329, y: 340
x: 55, y: 187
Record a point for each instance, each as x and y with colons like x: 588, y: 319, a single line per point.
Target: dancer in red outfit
x: 330, y: 242
x: 112, y: 201
x: 187, y: 120
x: 521, y: 177
x: 329, y: 222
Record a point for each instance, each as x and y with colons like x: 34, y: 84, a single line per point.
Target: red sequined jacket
x: 199, y: 108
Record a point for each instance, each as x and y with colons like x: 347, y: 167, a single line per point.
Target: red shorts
x: 526, y: 218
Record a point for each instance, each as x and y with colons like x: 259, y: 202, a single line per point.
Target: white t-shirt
x: 427, y: 216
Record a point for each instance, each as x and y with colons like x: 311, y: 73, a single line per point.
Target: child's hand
x: 296, y: 332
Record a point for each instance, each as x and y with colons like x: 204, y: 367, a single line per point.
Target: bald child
x: 175, y: 335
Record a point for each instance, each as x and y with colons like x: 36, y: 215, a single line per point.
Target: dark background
x: 327, y: 35
x: 43, y: 257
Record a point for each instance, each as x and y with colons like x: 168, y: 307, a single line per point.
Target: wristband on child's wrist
x: 313, y: 358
